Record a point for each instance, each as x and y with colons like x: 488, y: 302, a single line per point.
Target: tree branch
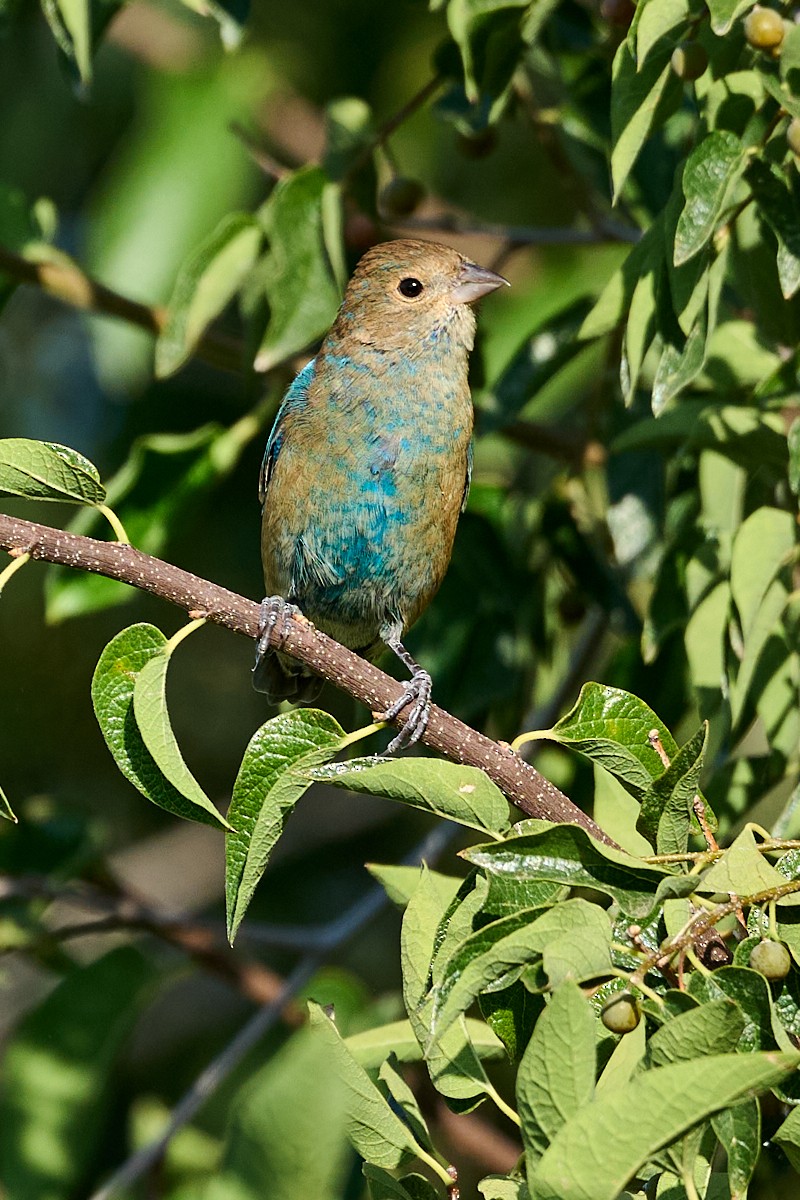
x: 63, y: 279
x: 520, y: 782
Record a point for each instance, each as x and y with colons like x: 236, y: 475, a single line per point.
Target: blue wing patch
x: 296, y: 397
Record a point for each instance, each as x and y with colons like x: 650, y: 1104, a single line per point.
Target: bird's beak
x: 474, y: 282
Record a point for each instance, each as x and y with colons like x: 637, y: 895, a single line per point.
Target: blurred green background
x: 570, y: 563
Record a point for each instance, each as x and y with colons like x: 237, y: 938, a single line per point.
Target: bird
x: 367, y: 469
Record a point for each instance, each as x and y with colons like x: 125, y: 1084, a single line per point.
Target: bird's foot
x: 418, y: 689
x: 274, y: 611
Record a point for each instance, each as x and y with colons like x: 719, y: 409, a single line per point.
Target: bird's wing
x: 468, y: 479
x: 295, y: 398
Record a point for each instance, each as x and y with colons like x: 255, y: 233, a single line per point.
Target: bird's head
x: 405, y: 294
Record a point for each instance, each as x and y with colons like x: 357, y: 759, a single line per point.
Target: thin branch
x: 522, y: 235
x: 215, y: 1074
x: 521, y: 783
x: 65, y: 281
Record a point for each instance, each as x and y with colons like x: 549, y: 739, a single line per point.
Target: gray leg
x: 274, y: 611
x: 417, y: 689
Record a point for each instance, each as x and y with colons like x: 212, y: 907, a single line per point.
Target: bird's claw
x: 274, y: 610
x: 418, y: 689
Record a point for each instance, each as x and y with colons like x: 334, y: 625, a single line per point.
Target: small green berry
x: 793, y: 135
x: 764, y: 28
x: 401, y: 196
x: 621, y: 1014
x: 689, y: 61
x: 771, y: 958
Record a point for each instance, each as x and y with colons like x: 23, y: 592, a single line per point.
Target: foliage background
x: 598, y: 543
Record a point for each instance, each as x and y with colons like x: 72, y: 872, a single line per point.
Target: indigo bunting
x: 367, y: 468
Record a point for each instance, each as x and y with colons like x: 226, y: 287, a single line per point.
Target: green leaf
x: 206, y: 283
x: 725, y: 12
x: 374, y: 1129
x: 112, y: 695
x: 679, y: 365
x: 462, y: 794
x: 383, y: 1186
x: 453, y: 1063
x: 640, y: 100
x: 556, y: 1074
x: 152, y: 718
x: 605, y: 1144
x: 472, y: 24
x: 297, y: 275
x: 401, y: 1096
x: 47, y: 471
x: 742, y: 870
x: 373, y: 1046
x: 567, y: 854
x: 611, y: 727
x: 573, y: 938
x: 710, y: 169
x: 500, y: 1187
x: 659, y: 19
x: 273, y: 776
x: 787, y: 1137
x: 750, y: 990
x: 6, y: 809
x: 400, y: 882
x: 763, y: 546
x: 713, y: 1028
x: 739, y: 1132
x: 60, y: 1073
x: 156, y: 494
x: 667, y: 805
x: 614, y: 302
x: 276, y: 1116
x: 777, y: 205
x: 70, y: 24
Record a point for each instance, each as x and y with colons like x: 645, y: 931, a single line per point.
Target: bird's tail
x: 282, y: 678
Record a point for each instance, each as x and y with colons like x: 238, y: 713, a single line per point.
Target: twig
x: 521, y: 784
x: 522, y: 235
x: 215, y: 1074
x: 67, y: 282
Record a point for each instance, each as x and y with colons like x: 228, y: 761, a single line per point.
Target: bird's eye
x: 410, y: 288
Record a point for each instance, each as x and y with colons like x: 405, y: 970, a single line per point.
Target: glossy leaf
x: 556, y: 1075
x: 709, y: 172
x: 725, y: 12
x: 667, y: 805
x: 602, y: 1147
x: 372, y: 1047
x: 153, y: 721
x: 155, y: 493
x: 713, y: 1028
x: 742, y: 870
x: 112, y: 695
x: 273, y: 776
x: 739, y: 1132
x: 567, y: 854
x: 573, y: 938
x: 374, y: 1129
x: 611, y: 727
x: 47, y: 471
x: 459, y: 793
x: 206, y: 283
x: 297, y: 275
x: 640, y: 100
